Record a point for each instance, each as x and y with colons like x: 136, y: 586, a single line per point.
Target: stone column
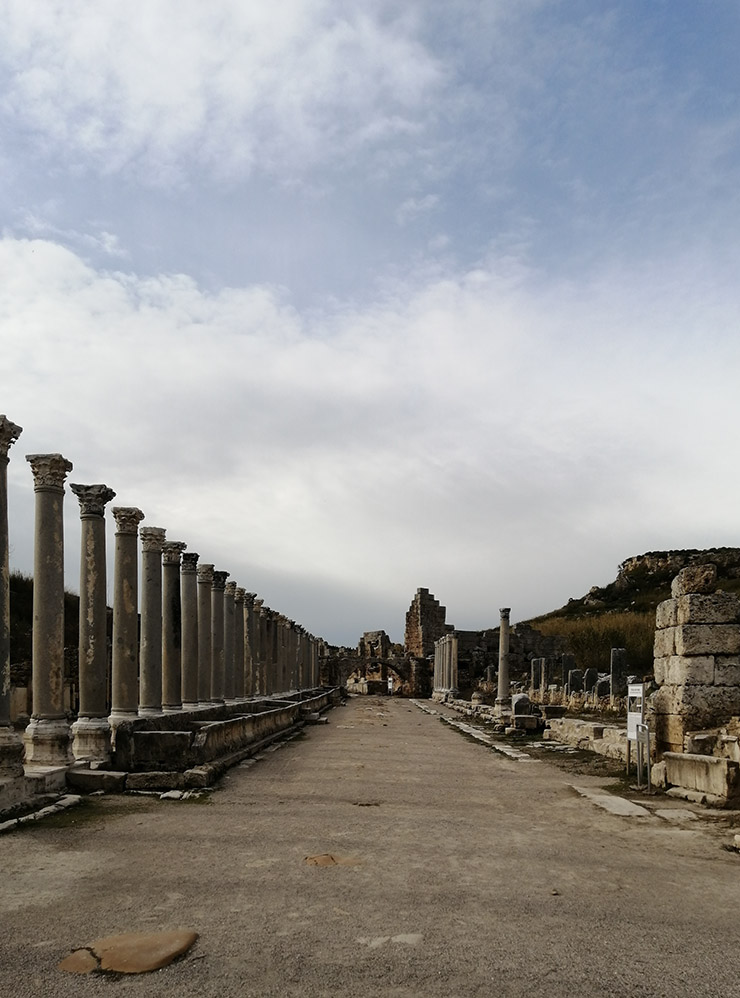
x: 258, y: 649
x: 47, y: 737
x: 453, y: 664
x: 171, y: 627
x: 190, y: 634
x: 239, y: 677
x: 217, y: 636
x: 91, y: 730
x: 11, y: 746
x: 229, y: 626
x: 249, y: 678
x: 150, y: 645
x: 205, y: 585
x: 503, y: 699
x: 125, y: 669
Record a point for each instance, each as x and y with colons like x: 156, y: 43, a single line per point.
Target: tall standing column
x: 229, y: 624
x: 47, y: 736
x: 503, y: 699
x: 453, y: 664
x: 11, y: 746
x: 249, y: 679
x: 258, y: 650
x: 91, y: 730
x: 125, y: 666
x: 205, y: 585
x: 190, y: 634
x: 171, y: 627
x: 217, y: 636
x: 150, y: 646
x: 239, y: 678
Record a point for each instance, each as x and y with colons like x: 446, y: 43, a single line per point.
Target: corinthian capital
x: 49, y: 471
x: 219, y: 580
x: 152, y: 539
x: 189, y: 562
x: 9, y: 433
x: 127, y: 519
x: 92, y: 498
x: 205, y: 574
x: 230, y: 588
x: 171, y: 551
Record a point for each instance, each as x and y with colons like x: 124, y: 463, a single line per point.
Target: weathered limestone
x: 229, y: 629
x: 91, y: 730
x: 217, y: 636
x: 125, y: 667
x: 697, y: 658
x: 503, y: 698
x: 239, y: 677
x: 150, y: 647
x: 190, y: 634
x: 11, y: 746
x: 258, y: 648
x: 47, y: 737
x: 205, y: 585
x: 171, y: 627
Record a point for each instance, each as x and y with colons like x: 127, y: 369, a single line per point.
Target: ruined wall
x: 697, y: 658
x: 425, y: 623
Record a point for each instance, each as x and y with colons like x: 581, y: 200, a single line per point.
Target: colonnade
x: 445, y: 664
x: 197, y: 641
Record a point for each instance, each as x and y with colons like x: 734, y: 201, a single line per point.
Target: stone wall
x: 697, y: 658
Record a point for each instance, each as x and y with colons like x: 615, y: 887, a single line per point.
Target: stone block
x: 706, y: 639
x: 89, y: 781
x: 727, y: 670
x: 712, y: 608
x: 694, y: 579
x: 668, y: 731
x: 690, y: 670
x: 664, y: 644
x: 155, y: 781
x: 660, y: 669
x: 706, y: 774
x: 666, y: 614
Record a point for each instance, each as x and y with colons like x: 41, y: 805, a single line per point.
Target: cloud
x: 231, y: 86
x: 485, y: 432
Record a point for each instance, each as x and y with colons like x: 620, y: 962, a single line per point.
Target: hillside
x: 622, y: 613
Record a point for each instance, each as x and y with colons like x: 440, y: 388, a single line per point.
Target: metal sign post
x: 637, y: 731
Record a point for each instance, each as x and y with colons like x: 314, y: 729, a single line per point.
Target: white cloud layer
x: 466, y: 434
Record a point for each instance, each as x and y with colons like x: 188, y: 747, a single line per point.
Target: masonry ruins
x: 198, y: 672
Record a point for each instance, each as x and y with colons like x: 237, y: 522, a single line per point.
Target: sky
x: 359, y: 297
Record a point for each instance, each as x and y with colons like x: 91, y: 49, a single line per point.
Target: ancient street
x: 454, y: 871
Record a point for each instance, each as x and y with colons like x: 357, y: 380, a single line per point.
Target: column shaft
x: 504, y: 696
x: 239, y: 656
x: 217, y: 637
x: 11, y: 746
x: 171, y: 627
x: 190, y: 633
x: 229, y: 625
x: 125, y: 668
x: 91, y: 730
x: 205, y: 585
x: 150, y: 649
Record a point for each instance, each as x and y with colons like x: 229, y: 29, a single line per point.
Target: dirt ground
x: 454, y: 871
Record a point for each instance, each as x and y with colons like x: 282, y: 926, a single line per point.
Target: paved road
x: 460, y: 873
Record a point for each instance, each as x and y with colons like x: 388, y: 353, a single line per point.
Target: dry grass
x: 592, y: 638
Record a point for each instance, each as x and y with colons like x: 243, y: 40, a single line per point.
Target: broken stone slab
x: 156, y: 780
x: 130, y: 952
x: 92, y: 781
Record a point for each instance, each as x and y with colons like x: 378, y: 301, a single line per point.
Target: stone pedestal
x: 150, y: 648
x: 125, y: 668
x: 47, y: 737
x: 217, y: 637
x: 205, y: 586
x: 91, y: 730
x: 171, y: 627
x: 503, y: 698
x: 11, y: 746
x: 189, y: 649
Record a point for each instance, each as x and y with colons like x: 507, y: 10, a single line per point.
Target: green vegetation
x: 591, y: 638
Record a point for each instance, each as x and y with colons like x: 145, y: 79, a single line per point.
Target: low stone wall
x: 604, y: 739
x: 705, y: 778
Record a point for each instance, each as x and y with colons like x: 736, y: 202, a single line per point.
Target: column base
x: 91, y: 739
x: 174, y: 709
x: 48, y: 742
x: 11, y: 753
x: 191, y: 705
x: 502, y: 707
x: 121, y: 716
x: 149, y: 711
